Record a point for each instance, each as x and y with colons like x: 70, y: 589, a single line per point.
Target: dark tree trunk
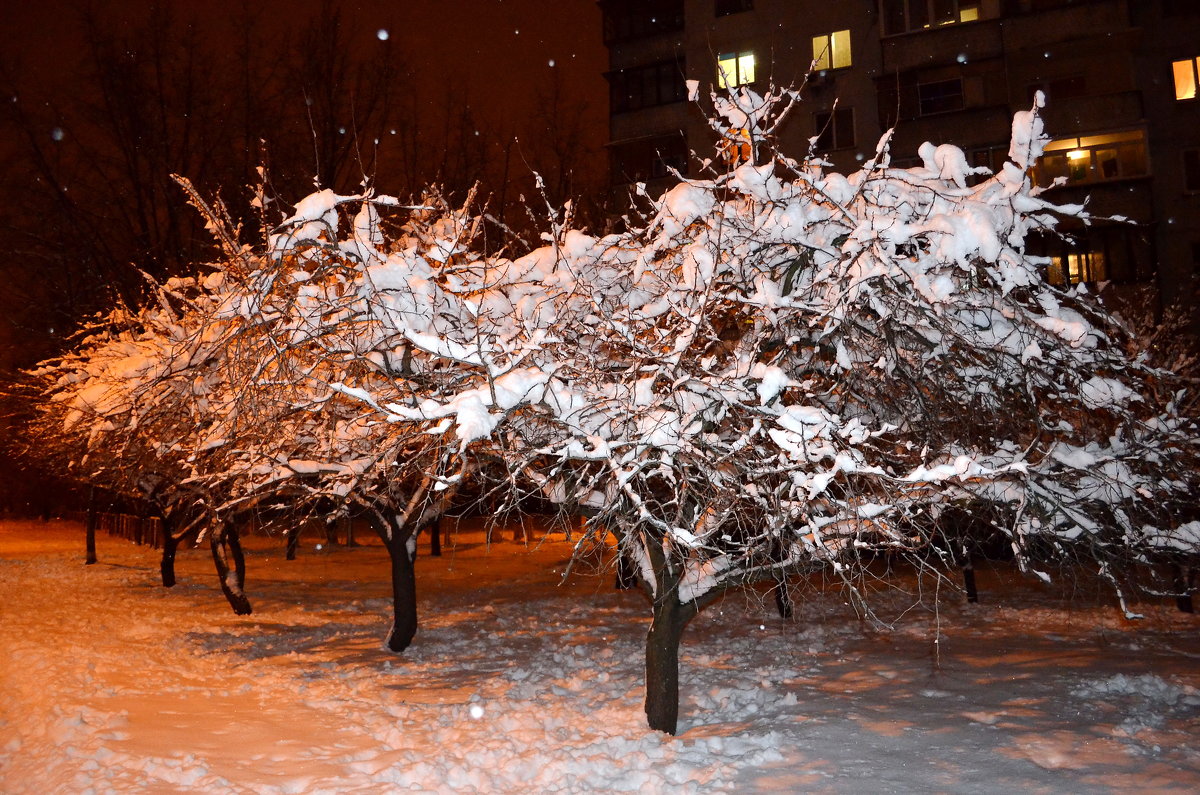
x: 91, y: 527
x: 167, y: 566
x: 1183, y: 588
x: 404, y: 584
x: 350, y: 539
x: 662, y: 660
x: 225, y: 546
x: 331, y: 531
x: 968, y: 570
x: 293, y: 540
x: 435, y: 538
x: 783, y: 599
x: 626, y: 573
x: 171, y: 542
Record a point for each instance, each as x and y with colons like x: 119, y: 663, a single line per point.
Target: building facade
x: 1120, y: 78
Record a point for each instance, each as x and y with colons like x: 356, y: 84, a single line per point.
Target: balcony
x: 1093, y: 112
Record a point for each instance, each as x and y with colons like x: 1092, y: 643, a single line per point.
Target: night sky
x: 495, y: 55
x: 87, y: 185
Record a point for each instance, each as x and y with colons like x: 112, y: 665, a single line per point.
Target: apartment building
x: 1120, y: 76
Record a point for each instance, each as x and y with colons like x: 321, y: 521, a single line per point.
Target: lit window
x: 1093, y: 158
x: 1185, y: 78
x: 831, y: 51
x: 1087, y: 266
x: 735, y: 69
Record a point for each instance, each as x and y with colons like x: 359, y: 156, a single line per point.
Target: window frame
x: 826, y: 54
x: 1110, y: 252
x: 1193, y: 67
x: 627, y: 87
x: 1127, y: 147
x: 925, y: 99
x: 831, y: 128
x: 630, y: 20
x: 737, y: 59
x: 918, y: 15
x: 647, y: 159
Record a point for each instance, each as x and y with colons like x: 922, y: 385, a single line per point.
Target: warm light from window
x: 831, y: 51
x: 735, y: 69
x: 1077, y: 154
x: 1088, y: 266
x: 1185, y: 78
x: 968, y: 14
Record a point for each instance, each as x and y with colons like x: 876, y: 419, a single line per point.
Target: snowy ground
x: 110, y: 683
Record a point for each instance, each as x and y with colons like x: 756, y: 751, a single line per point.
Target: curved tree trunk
x: 171, y: 542
x: 783, y: 598
x: 404, y: 583
x: 662, y: 661
x: 225, y: 546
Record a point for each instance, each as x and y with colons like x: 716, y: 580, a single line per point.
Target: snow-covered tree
x: 781, y: 370
x: 132, y: 410
x: 801, y: 369
x: 788, y: 369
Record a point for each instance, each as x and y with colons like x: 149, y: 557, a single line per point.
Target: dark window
x: 1058, y: 88
x: 726, y: 7
x: 646, y: 86
x: 1191, y: 170
x: 835, y: 130
x: 990, y: 157
x: 902, y: 16
x: 649, y: 158
x: 897, y: 95
x: 942, y: 96
x: 905, y: 96
x: 1180, y: 8
x: 636, y: 19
